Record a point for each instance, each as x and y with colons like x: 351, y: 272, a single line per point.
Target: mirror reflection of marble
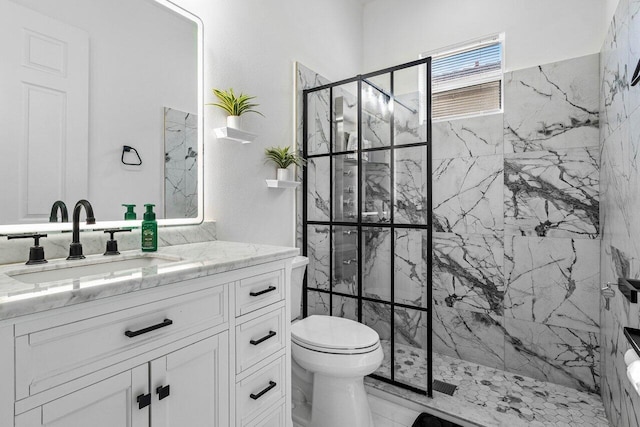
x: 80, y: 81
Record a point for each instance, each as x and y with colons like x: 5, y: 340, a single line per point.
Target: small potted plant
x: 283, y: 158
x: 234, y: 105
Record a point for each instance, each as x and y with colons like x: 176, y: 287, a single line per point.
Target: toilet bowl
x: 331, y: 356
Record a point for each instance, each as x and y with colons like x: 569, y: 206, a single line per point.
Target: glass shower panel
x: 345, y: 260
x: 345, y: 117
x: 345, y: 307
x: 410, y: 105
x: 318, y: 303
x: 318, y: 122
x: 376, y: 182
x: 345, y: 187
x: 366, y: 230
x: 411, y: 272
x: 376, y: 111
x: 319, y: 253
x: 411, y: 350
x: 376, y: 268
x: 378, y: 317
x: 411, y: 175
x: 318, y: 188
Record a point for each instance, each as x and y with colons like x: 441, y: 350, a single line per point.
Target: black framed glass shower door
x: 367, y: 211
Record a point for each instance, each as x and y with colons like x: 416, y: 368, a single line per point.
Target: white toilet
x: 331, y: 356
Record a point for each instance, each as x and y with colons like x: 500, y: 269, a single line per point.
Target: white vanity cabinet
x: 211, y: 351
x: 187, y: 389
x: 262, y: 350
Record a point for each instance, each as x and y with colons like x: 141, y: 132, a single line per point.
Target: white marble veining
x: 553, y: 281
x: 552, y: 193
x: 319, y: 132
x: 468, y: 272
x: 620, y: 201
x: 615, y: 72
x: 552, y: 106
x: 472, y: 137
x: 467, y: 195
x: 197, y: 260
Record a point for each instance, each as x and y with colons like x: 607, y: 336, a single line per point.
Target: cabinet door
x: 190, y: 386
x: 108, y: 403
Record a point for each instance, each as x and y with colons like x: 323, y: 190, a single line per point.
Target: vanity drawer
x: 259, y: 291
x: 275, y: 418
x: 50, y: 357
x: 258, y: 338
x: 260, y: 391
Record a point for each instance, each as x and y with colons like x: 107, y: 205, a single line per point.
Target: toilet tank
x: 297, y: 275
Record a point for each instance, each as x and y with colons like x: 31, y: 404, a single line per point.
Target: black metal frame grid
x: 359, y: 224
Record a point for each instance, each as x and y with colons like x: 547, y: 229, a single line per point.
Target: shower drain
x: 442, y: 387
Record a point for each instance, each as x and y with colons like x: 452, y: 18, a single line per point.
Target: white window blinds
x: 467, y: 80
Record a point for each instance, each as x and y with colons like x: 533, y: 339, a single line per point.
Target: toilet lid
x: 333, y: 333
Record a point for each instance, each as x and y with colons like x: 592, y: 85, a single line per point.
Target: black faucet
x: 63, y: 212
x: 75, y: 249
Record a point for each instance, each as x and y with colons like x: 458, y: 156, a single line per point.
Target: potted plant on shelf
x: 234, y: 105
x: 283, y: 158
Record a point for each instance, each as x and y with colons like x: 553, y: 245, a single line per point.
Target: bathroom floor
x: 497, y: 398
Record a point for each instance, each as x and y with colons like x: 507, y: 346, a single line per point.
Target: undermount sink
x: 89, y: 267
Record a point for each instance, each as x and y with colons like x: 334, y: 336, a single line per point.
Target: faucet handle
x: 112, y: 244
x: 36, y: 252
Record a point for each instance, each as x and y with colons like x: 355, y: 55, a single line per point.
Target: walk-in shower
x: 367, y: 210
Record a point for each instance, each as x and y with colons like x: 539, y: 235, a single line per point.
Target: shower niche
x: 366, y: 210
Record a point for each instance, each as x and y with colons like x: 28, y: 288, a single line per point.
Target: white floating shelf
x: 236, y: 135
x: 274, y: 183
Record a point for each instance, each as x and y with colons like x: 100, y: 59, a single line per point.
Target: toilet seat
x: 320, y: 349
x: 334, y: 335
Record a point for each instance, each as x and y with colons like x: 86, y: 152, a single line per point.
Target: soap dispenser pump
x: 130, y: 214
x: 149, y: 230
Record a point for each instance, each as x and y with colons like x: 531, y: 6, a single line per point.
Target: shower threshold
x: 487, y: 396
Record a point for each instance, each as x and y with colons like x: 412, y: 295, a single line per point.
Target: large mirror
x: 101, y: 100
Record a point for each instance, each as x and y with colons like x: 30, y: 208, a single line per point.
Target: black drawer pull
x: 266, y: 337
x: 163, y: 392
x: 271, y: 385
x: 165, y: 323
x: 144, y: 400
x: 269, y: 289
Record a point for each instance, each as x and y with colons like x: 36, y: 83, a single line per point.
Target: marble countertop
x: 182, y: 262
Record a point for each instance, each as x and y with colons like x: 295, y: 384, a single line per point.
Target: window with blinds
x: 467, y: 80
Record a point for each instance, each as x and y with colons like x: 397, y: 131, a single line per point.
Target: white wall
x: 251, y: 45
x: 537, y: 31
x: 609, y: 9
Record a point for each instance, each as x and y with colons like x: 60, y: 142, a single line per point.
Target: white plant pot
x: 283, y: 175
x: 233, y: 122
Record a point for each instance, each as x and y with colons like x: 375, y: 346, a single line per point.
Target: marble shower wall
x: 517, y: 229
x: 620, y: 199
x: 318, y: 132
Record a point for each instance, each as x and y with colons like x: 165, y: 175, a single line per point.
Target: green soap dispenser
x: 130, y: 214
x: 149, y: 230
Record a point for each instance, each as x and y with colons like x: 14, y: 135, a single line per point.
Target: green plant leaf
x: 235, y: 105
x: 282, y: 157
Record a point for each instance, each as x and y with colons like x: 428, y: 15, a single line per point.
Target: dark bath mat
x: 428, y: 420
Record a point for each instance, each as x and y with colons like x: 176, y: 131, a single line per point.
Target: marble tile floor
x: 487, y: 396
x: 390, y: 414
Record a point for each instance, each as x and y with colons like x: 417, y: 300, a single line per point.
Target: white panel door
x: 108, y: 403
x: 44, y: 118
x: 197, y: 385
